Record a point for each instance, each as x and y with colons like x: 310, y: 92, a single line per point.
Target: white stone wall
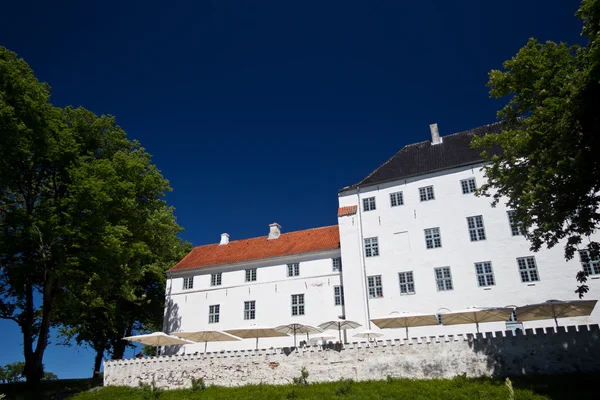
x: 432, y: 357
x: 449, y: 212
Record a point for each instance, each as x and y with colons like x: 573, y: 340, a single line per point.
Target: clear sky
x: 260, y: 111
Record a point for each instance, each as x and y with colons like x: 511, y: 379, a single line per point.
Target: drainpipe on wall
x: 167, y: 309
x: 362, y: 259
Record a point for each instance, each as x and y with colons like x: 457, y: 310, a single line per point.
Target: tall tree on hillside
x: 549, y: 169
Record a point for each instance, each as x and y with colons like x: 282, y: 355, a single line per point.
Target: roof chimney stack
x: 274, y: 231
x: 224, y: 239
x: 435, y: 134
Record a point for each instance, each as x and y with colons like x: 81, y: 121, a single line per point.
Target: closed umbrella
x: 476, y: 315
x: 405, y: 320
x: 255, y: 332
x: 339, y: 325
x: 368, y: 334
x: 206, y: 336
x: 157, y: 339
x: 295, y: 328
x: 554, y: 309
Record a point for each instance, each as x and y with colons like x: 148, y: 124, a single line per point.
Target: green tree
x: 11, y: 373
x: 549, y: 166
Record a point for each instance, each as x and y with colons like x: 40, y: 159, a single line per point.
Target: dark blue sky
x: 260, y: 111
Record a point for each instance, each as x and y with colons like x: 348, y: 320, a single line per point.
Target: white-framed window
x: 443, y: 279
x: 337, y: 264
x: 214, y: 313
x: 476, y: 228
x: 468, y: 185
x: 375, y: 286
x: 297, y: 304
x: 293, y: 269
x: 369, y: 204
x: 188, y: 283
x: 250, y: 309
x: 215, y: 279
x: 485, y: 274
x: 407, y: 282
x: 528, y: 269
x: 515, y: 229
x: 433, y: 239
x: 590, y: 264
x: 426, y: 193
x: 396, y: 199
x: 371, y: 247
x: 251, y: 275
x: 338, y: 295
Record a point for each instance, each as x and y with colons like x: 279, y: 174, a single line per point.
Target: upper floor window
x: 590, y: 264
x: 443, y: 279
x: 426, y: 193
x: 375, y: 286
x: 293, y: 269
x: 371, y: 247
x: 515, y: 229
x: 468, y: 185
x: 407, y: 282
x: 251, y: 275
x: 215, y: 279
x: 485, y: 274
x: 214, y: 314
x: 338, y: 295
x: 396, y: 199
x: 250, y: 309
x: 433, y: 239
x: 369, y: 204
x: 297, y: 304
x: 337, y: 264
x: 476, y: 229
x: 528, y: 269
x: 188, y: 283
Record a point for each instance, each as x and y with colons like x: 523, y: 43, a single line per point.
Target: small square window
x: 188, y: 283
x: 590, y: 264
x: 468, y: 185
x: 396, y: 199
x: 433, y: 239
x: 426, y: 193
x: 485, y: 274
x: 251, y: 275
x: 375, y: 287
x: 369, y: 204
x: 407, y: 282
x: 443, y: 279
x: 215, y: 279
x: 515, y: 228
x: 297, y: 304
x: 293, y: 269
x: 214, y: 314
x: 371, y: 247
x: 338, y: 295
x: 476, y: 228
x: 528, y: 269
x: 337, y: 264
x: 250, y: 310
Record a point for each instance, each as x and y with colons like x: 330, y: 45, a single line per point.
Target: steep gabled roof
x: 424, y: 157
x: 237, y: 251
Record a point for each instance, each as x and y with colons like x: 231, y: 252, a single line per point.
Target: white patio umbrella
x: 368, y: 334
x: 157, y: 339
x: 255, y: 332
x: 206, y: 336
x: 554, y: 309
x: 339, y: 325
x: 476, y: 315
x: 295, y: 328
x: 405, y: 320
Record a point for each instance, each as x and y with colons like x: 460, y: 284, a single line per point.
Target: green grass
x: 56, y: 389
x: 537, y: 388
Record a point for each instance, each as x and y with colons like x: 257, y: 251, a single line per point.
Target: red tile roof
x: 348, y: 210
x: 299, y: 242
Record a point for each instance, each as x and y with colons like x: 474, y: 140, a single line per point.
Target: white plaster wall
x: 448, y: 211
x: 272, y: 292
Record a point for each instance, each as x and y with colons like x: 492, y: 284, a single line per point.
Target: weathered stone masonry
x: 574, y: 349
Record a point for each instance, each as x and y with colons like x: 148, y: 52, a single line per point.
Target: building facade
x: 412, y: 236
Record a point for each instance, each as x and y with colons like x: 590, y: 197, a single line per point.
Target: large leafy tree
x: 549, y: 167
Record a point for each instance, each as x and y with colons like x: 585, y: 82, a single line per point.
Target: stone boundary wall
x: 539, y: 351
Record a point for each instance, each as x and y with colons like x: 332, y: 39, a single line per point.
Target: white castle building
x: 411, y: 236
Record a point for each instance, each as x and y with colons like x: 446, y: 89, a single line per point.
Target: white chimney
x: 274, y: 231
x: 224, y: 239
x: 435, y: 134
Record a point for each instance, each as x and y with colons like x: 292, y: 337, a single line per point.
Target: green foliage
x: 198, y: 384
x: 509, y: 387
x: 2, y: 396
x: 460, y: 380
x: 549, y: 169
x: 150, y: 391
x: 12, y: 372
x: 344, y: 386
x: 301, y: 380
x: 389, y: 379
x: 291, y: 395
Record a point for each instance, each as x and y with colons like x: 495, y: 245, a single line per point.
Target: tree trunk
x: 119, y: 345
x: 98, y: 361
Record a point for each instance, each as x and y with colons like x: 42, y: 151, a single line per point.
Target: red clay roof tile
x: 348, y: 210
x: 299, y: 242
